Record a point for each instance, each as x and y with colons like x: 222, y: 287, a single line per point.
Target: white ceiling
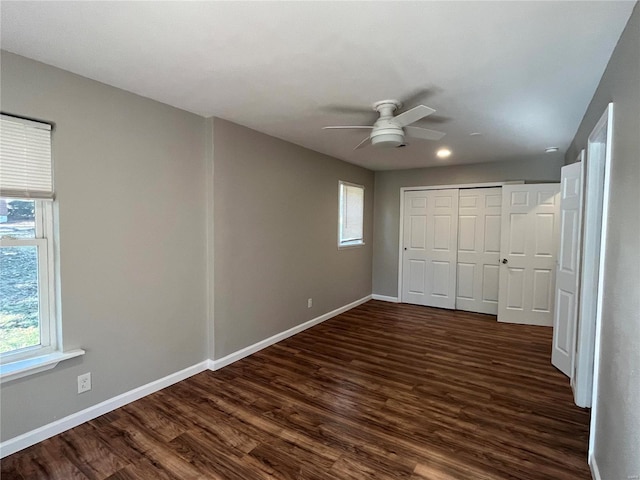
x: 521, y: 73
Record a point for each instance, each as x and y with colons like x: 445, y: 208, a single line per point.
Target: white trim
x: 53, y: 333
x: 582, y: 159
x: 251, y: 349
x: 595, y: 471
x: 31, y: 365
x: 385, y: 298
x: 606, y: 119
x: 434, y: 187
x: 462, y: 185
x: 347, y: 246
x: 356, y: 242
x: 50, y: 340
x: 400, y: 243
x: 27, y: 439
x: 210, y: 271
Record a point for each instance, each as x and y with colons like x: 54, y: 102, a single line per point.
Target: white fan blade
x: 363, y: 143
x: 424, y: 133
x: 413, y: 115
x: 343, y: 127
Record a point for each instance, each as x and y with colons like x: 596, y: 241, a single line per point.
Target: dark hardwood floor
x: 383, y: 391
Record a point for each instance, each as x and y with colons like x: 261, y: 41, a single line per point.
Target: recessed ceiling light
x: 443, y: 153
x: 551, y: 150
x: 475, y: 134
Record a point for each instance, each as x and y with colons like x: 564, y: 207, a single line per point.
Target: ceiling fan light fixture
x: 389, y: 130
x: 387, y: 140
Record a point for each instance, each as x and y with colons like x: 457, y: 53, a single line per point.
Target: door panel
x: 529, y: 233
x: 417, y: 284
x: 466, y: 275
x: 430, y: 236
x: 515, y: 289
x: 493, y: 199
x: 467, y: 233
x: 440, y: 280
x: 517, y: 234
x: 490, y: 275
x: 542, y: 290
x: 442, y: 233
x: 418, y: 232
x: 545, y: 235
x: 479, y: 211
x: 492, y: 234
x: 568, y: 270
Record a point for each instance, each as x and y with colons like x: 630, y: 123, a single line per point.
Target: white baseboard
x: 384, y: 298
x: 39, y: 434
x: 28, y: 439
x: 245, y: 352
x: 595, y: 472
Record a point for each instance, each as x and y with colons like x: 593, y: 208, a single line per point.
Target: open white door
x: 430, y: 239
x: 565, y: 316
x: 479, y: 212
x: 529, y: 235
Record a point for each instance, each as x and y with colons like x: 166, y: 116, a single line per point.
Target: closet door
x: 479, y: 217
x: 430, y: 239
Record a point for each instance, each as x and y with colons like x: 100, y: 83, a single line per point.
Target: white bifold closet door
x: 430, y: 239
x: 479, y: 217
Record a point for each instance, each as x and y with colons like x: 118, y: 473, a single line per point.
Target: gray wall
x: 387, y: 203
x: 129, y: 176
x: 617, y: 432
x: 276, y: 221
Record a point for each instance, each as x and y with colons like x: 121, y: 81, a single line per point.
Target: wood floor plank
x: 384, y: 391
x: 94, y: 458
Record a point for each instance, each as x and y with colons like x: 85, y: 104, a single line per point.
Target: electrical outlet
x: 310, y: 303
x: 84, y: 382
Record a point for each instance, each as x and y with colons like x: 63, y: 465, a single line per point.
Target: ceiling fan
x: 390, y: 130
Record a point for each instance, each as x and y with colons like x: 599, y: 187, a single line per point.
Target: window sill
x: 29, y: 366
x: 350, y: 245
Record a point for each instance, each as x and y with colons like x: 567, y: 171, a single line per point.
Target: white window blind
x: 25, y: 159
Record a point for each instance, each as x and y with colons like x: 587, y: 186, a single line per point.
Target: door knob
x: 405, y: 248
x: 505, y: 261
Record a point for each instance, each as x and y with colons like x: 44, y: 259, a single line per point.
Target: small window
x: 25, y: 307
x: 351, y: 215
x: 27, y: 311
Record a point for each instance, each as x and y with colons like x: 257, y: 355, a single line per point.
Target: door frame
x: 433, y: 187
x: 602, y: 166
x: 590, y: 309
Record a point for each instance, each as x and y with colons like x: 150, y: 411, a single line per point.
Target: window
x: 27, y: 311
x: 351, y: 215
x: 25, y: 308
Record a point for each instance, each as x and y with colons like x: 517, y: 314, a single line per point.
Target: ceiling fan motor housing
x: 385, y: 132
